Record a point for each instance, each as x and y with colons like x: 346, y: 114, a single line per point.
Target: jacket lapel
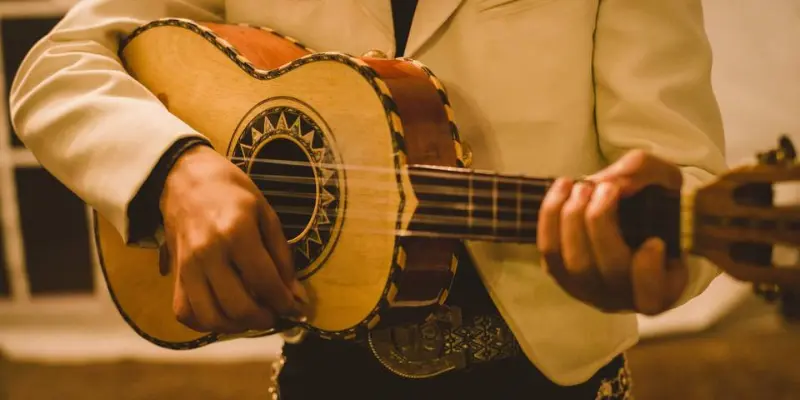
x: 429, y: 17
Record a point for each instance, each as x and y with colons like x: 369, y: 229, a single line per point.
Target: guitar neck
x: 475, y: 205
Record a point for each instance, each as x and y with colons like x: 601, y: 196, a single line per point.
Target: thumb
x: 656, y: 284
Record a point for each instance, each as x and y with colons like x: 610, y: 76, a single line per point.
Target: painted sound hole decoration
x: 291, y: 160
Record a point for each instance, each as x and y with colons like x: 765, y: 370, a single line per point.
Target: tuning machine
x: 785, y: 154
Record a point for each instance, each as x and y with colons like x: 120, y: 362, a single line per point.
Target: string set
x: 480, y: 206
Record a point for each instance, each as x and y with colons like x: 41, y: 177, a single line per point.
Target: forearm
x: 89, y: 123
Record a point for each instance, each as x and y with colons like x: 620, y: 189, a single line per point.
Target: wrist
x: 144, y: 212
x: 185, y: 170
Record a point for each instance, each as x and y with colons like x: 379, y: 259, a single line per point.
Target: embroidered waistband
x: 443, y: 343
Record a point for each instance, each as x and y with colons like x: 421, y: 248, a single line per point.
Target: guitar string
x: 522, y: 237
x: 434, y: 220
x: 419, y: 170
x: 477, y: 220
x: 419, y: 189
x: 478, y: 198
x: 519, y: 237
x: 423, y: 218
x: 442, y: 204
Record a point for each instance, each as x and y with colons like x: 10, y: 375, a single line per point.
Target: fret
x: 475, y: 205
x: 484, y: 201
x: 530, y: 202
x: 508, y: 214
x: 519, y: 208
x: 687, y: 222
x: 470, y: 205
x: 494, y: 205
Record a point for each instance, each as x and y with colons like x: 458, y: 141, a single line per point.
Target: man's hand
x: 234, y: 267
x: 580, y: 239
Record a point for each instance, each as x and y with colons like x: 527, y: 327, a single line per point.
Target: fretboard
x: 476, y: 205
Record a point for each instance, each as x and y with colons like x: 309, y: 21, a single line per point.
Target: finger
x: 576, y: 248
x: 637, y: 169
x: 611, y: 254
x: 655, y: 287
x: 235, y: 302
x: 182, y: 308
x: 261, y: 274
x: 204, y: 305
x: 274, y: 240
x: 548, y: 228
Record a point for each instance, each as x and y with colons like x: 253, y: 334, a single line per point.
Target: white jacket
x: 539, y: 87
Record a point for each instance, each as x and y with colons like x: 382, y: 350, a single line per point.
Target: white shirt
x: 539, y: 87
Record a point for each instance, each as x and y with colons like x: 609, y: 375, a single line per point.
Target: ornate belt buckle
x: 420, y: 350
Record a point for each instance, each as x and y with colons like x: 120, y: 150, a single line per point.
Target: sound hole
x: 282, y: 170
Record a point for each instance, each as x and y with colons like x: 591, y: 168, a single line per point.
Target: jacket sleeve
x: 652, y: 71
x: 90, y: 124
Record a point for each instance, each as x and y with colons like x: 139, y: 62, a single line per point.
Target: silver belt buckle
x: 419, y: 350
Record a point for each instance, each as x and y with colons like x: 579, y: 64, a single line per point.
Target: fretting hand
x: 583, y: 249
x: 234, y: 266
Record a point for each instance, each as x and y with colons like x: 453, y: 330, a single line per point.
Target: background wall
x: 53, y: 306
x: 756, y: 77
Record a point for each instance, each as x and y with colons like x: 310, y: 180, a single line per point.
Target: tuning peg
x: 769, y: 292
x: 786, y: 150
x: 785, y: 154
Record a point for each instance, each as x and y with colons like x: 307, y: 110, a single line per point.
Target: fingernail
x: 561, y: 184
x: 297, y: 319
x: 300, y: 293
x: 655, y: 245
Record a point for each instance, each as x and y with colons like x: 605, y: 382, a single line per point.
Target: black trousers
x: 322, y: 369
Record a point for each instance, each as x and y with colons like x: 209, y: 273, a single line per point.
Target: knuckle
x: 193, y: 259
x: 196, y: 247
x: 271, y: 216
x: 547, y: 247
x: 550, y: 206
x: 227, y: 226
x: 638, y: 157
x: 572, y: 209
x: 249, y: 202
x: 594, y: 214
x: 182, y: 312
x: 230, y: 228
x: 578, y: 264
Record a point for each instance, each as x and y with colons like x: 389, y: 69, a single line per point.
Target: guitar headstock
x: 741, y: 226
